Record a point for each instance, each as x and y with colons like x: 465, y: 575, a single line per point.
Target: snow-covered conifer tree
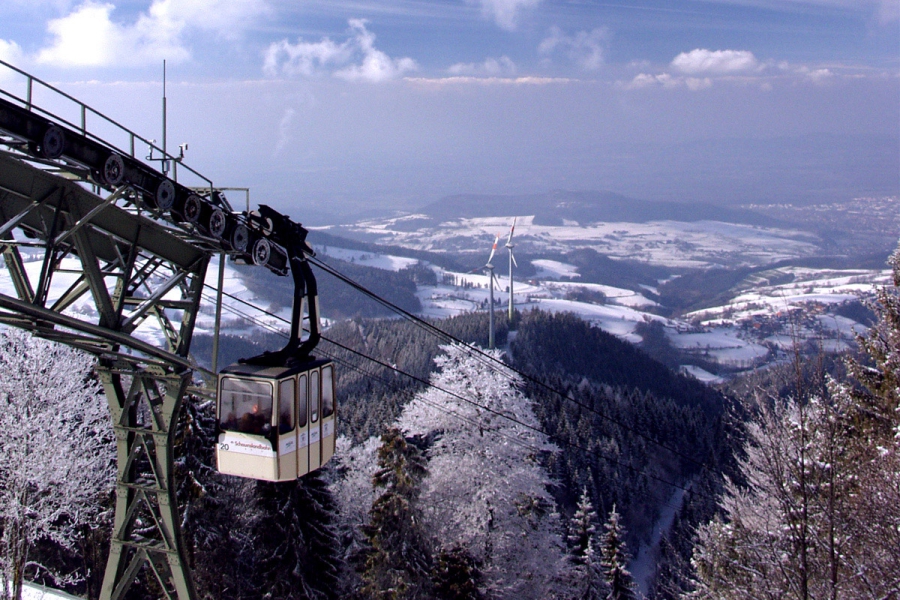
x: 398, y: 565
x: 486, y: 491
x: 816, y: 514
x: 350, y: 480
x: 455, y: 575
x: 615, y: 557
x: 582, y: 531
x: 57, y: 454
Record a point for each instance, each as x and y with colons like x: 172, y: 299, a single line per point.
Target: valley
x: 727, y: 297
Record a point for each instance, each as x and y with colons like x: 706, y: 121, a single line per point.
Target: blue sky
x: 347, y: 106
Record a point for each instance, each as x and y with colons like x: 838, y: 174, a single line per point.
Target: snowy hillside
x: 763, y: 315
x: 754, y: 327
x: 667, y: 243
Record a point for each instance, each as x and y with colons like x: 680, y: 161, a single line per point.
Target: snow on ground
x: 149, y: 330
x: 701, y: 374
x: 368, y: 259
x: 553, y: 269
x: 613, y: 294
x: 619, y: 316
x: 670, y: 243
x: 722, y: 344
x: 808, y: 286
x: 32, y: 591
x: 714, y: 333
x: 643, y: 565
x: 617, y: 320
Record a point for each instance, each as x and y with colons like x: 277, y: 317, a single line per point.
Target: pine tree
x: 294, y: 540
x: 615, y: 557
x: 815, y: 513
x: 487, y: 491
x: 582, y: 533
x: 399, y: 562
x: 455, y: 575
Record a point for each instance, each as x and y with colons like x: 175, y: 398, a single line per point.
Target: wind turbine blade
x: 493, y: 249
x: 496, y: 280
x: 513, y: 257
x: 511, y: 231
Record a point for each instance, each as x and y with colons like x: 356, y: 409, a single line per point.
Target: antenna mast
x: 165, y: 161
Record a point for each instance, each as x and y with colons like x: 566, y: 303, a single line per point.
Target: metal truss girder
x: 23, y: 184
x: 16, y: 268
x: 146, y: 541
x: 42, y: 322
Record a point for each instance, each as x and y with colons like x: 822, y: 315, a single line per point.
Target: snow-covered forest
x: 603, y: 474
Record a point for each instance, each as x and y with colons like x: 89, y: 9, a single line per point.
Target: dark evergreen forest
x: 627, y: 427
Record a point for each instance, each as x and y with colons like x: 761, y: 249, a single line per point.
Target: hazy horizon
x: 348, y: 108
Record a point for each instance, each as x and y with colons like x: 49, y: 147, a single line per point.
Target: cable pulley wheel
x: 165, y: 194
x: 192, y: 207
x: 262, y: 252
x: 217, y: 223
x: 113, y: 170
x: 240, y: 238
x: 53, y: 143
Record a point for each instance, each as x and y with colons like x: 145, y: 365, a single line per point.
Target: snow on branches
x: 484, y: 501
x: 57, y: 453
x: 486, y: 489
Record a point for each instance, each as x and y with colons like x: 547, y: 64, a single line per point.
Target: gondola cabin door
x: 275, y: 423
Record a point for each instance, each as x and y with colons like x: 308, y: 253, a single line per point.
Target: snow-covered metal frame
x: 121, y: 253
x: 112, y: 281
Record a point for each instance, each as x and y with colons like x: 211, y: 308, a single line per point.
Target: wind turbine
x: 512, y: 261
x: 490, y: 269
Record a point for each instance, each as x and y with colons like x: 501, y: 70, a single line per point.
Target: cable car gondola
x: 277, y: 412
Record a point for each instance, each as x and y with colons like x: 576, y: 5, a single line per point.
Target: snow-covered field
x: 760, y: 321
x: 32, y: 591
x: 730, y: 335
x: 368, y: 259
x: 668, y: 243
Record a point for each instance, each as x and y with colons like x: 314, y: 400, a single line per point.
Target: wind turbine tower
x: 512, y: 261
x: 490, y: 270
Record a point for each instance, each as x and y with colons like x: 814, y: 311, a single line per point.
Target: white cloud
x: 89, y: 37
x: 356, y: 59
x: 284, y: 130
x: 696, y: 83
x: 490, y: 81
x: 715, y: 62
x: 11, y: 52
x: 819, y: 75
x: 665, y: 80
x: 305, y: 58
x: 585, y: 48
x: 491, y: 67
x: 887, y: 11
x: 505, y: 13
x: 645, y: 80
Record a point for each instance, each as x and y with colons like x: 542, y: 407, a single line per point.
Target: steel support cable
x: 427, y: 383
x: 487, y: 358
x: 369, y: 374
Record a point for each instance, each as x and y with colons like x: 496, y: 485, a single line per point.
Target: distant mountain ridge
x: 553, y: 207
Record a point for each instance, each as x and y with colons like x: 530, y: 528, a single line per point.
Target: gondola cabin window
x: 246, y: 406
x: 286, y: 406
x: 314, y: 397
x: 327, y: 392
x: 303, y: 403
